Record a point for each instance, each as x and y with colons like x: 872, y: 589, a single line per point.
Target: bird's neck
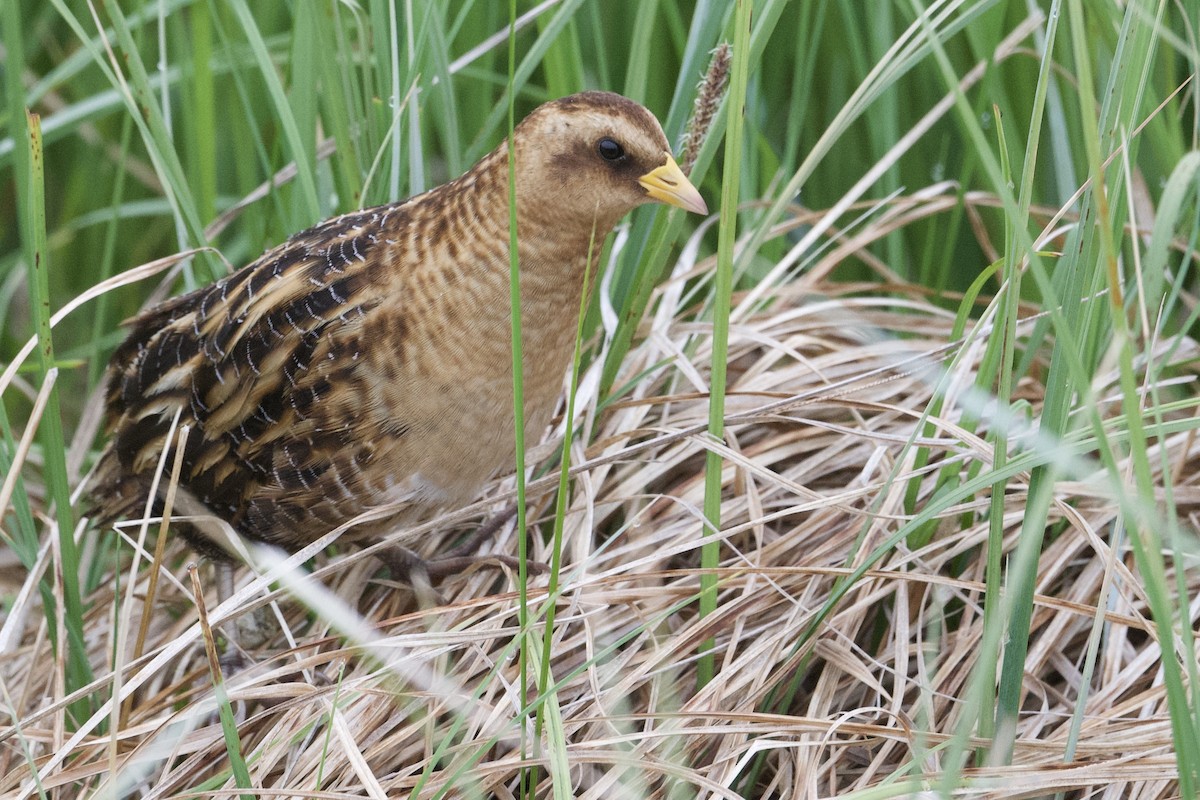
x: 552, y: 250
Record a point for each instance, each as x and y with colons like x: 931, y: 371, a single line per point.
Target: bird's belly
x: 455, y: 442
x: 445, y: 397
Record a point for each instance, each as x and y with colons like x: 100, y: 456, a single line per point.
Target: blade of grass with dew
x: 441, y: 98
x: 387, y: 77
x: 416, y: 162
x: 428, y: 65
x: 710, y: 553
x: 394, y: 94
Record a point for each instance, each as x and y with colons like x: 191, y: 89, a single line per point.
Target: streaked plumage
x: 367, y: 360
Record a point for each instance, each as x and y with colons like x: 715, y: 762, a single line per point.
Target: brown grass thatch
x: 828, y: 387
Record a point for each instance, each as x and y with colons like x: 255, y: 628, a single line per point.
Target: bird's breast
x: 440, y: 368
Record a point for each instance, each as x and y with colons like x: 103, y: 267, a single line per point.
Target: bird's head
x: 596, y: 156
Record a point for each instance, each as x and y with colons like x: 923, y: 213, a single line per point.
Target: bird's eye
x: 610, y: 150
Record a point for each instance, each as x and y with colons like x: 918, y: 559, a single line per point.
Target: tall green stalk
x: 710, y: 552
x: 50, y: 429
x: 518, y: 378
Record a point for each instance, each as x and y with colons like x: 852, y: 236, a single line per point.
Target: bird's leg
x: 207, y: 530
x: 406, y: 565
x: 231, y: 659
x: 486, y: 531
x: 252, y: 629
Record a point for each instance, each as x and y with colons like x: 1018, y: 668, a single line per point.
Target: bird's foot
x: 405, y: 565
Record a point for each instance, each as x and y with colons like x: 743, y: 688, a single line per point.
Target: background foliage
x: 999, y: 159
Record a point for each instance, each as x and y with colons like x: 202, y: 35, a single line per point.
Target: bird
x: 366, y: 361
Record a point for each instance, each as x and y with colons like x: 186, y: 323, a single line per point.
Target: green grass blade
x: 50, y: 430
x: 528, y: 779
x: 730, y: 187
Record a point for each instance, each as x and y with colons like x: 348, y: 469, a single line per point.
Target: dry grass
x: 828, y: 386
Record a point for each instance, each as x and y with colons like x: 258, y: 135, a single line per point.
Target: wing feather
x: 250, y: 364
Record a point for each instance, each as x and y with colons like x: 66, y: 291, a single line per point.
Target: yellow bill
x: 667, y: 184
